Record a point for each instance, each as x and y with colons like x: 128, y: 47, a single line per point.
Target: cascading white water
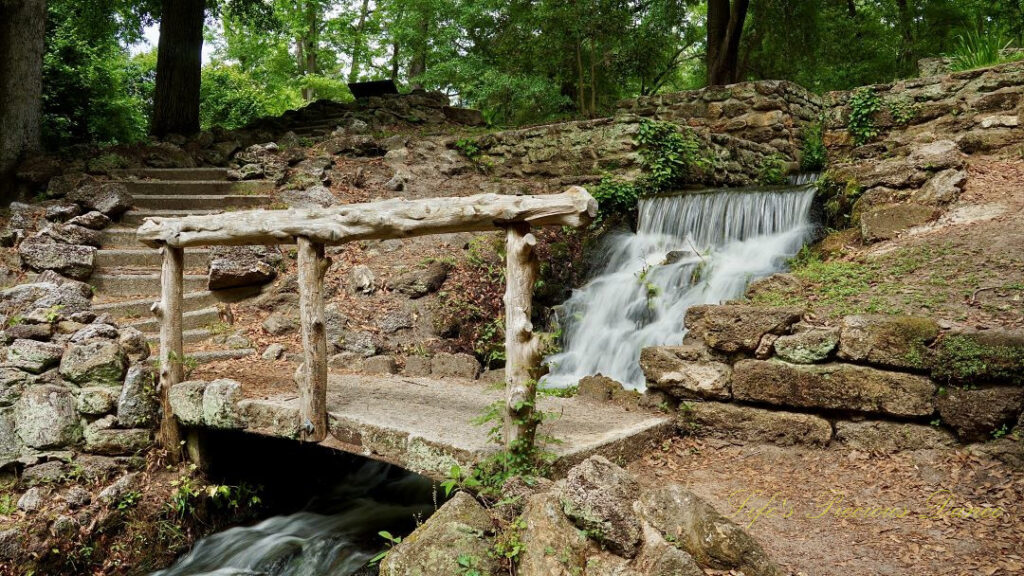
x: 694, y: 248
x: 335, y: 536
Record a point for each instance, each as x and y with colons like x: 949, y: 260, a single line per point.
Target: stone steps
x: 189, y: 320
x: 218, y: 202
x: 197, y: 188
x: 145, y: 258
x: 134, y: 218
x: 190, y: 301
x: 118, y: 237
x: 173, y: 174
x: 140, y: 284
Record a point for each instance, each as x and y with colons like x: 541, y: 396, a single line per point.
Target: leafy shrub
x: 837, y: 198
x: 864, y: 103
x: 977, y: 49
x: 772, y: 171
x: 813, y: 156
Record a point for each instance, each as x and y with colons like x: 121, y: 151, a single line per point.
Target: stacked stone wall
x: 742, y: 127
x: 879, y: 383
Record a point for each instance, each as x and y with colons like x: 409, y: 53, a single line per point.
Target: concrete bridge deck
x: 421, y: 424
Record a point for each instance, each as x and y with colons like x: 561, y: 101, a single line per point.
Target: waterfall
x: 334, y: 536
x: 694, y: 248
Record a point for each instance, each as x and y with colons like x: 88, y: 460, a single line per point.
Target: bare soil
x: 840, y: 512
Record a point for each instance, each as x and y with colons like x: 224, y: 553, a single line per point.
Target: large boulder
x: 186, y: 400
x: 41, y: 253
x: 976, y: 414
x: 101, y: 437
x: 421, y: 281
x: 892, y: 341
x: 220, y: 404
x: 49, y: 291
x: 942, y: 188
x: 887, y: 221
x: 33, y: 356
x: 685, y: 372
x: 98, y: 362
x: 598, y: 497
x: 73, y: 234
x: 457, y: 529
x: 446, y: 365
x: 45, y: 417
x: 886, y: 436
x: 12, y: 384
x: 96, y: 400
x: 833, y: 386
x: 659, y: 557
x: 986, y: 356
x: 10, y: 441
x: 233, y: 266
x: 110, y: 198
x: 312, y: 197
x: 137, y: 405
x: 750, y: 424
x: 739, y: 327
x: 546, y: 528
x: 807, y: 345
x: 711, y: 539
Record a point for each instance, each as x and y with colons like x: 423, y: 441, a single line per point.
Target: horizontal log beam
x: 397, y: 218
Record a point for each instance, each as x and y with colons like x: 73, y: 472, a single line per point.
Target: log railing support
x: 171, y: 348
x: 313, y: 374
x: 522, y: 347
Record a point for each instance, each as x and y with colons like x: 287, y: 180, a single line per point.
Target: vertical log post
x: 313, y: 374
x: 171, y: 348
x: 522, y: 347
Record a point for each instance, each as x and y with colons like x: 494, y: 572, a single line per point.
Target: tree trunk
x: 22, y: 29
x: 725, y: 27
x: 418, y: 64
x: 308, y: 46
x: 358, y: 47
x: 593, y: 78
x: 394, y: 61
x: 579, y: 83
x: 178, y: 68
x: 904, y: 59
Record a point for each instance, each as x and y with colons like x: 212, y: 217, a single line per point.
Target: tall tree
x: 725, y: 28
x: 22, y: 29
x: 178, y: 67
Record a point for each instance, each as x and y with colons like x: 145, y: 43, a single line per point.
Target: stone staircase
x: 127, y: 273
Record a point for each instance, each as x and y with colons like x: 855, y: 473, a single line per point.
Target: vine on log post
x: 171, y: 347
x: 522, y: 347
x: 313, y: 375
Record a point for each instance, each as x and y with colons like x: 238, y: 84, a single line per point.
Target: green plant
x: 390, y: 541
x: 977, y: 49
x: 469, y: 148
x: 813, y: 155
x: 1003, y: 431
x: 128, y: 500
x: 508, y: 544
x: 902, y: 110
x: 7, y: 505
x: 837, y: 198
x: 864, y: 103
x: 182, y: 501
x: 772, y: 171
x: 468, y: 565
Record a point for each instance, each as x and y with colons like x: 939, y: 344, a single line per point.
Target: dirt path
x: 931, y: 512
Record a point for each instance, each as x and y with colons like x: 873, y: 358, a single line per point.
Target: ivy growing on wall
x: 668, y: 154
x: 864, y: 103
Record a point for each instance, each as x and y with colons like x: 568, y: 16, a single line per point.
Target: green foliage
x: 468, y: 565
x: 183, y: 499
x: 838, y: 199
x: 508, y: 544
x: 469, y: 148
x: 128, y: 500
x: 772, y: 171
x: 231, y: 98
x: 668, y: 155
x: 814, y: 155
x: 963, y: 359
x: 864, y: 103
x: 902, y: 110
x: 977, y: 49
x: 391, y: 541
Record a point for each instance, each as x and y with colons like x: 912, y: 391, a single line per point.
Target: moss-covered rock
x: 989, y: 356
x: 598, y: 497
x: 808, y: 345
x: 978, y: 415
x: 738, y: 327
x: 98, y: 362
x: 459, y: 529
x: 833, y: 386
x: 891, y: 341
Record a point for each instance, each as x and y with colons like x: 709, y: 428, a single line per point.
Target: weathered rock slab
x: 833, y: 386
x: 751, y: 424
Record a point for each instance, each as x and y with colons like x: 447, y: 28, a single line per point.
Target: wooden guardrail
x: 312, y: 230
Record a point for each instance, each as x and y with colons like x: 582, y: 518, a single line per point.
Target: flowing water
x: 694, y: 248
x: 334, y: 536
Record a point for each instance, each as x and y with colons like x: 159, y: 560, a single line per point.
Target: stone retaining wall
x: 742, y: 127
x: 926, y: 129
x: 880, y: 383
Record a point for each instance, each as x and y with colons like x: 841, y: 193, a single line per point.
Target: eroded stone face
x: 891, y: 341
x: 752, y: 424
x: 98, y: 362
x: 668, y: 368
x: 739, y: 327
x: 598, y: 497
x: 808, y: 345
x: 833, y: 386
x: 976, y: 414
x: 45, y: 417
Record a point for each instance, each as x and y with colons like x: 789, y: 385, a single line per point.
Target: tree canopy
x: 520, y: 61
